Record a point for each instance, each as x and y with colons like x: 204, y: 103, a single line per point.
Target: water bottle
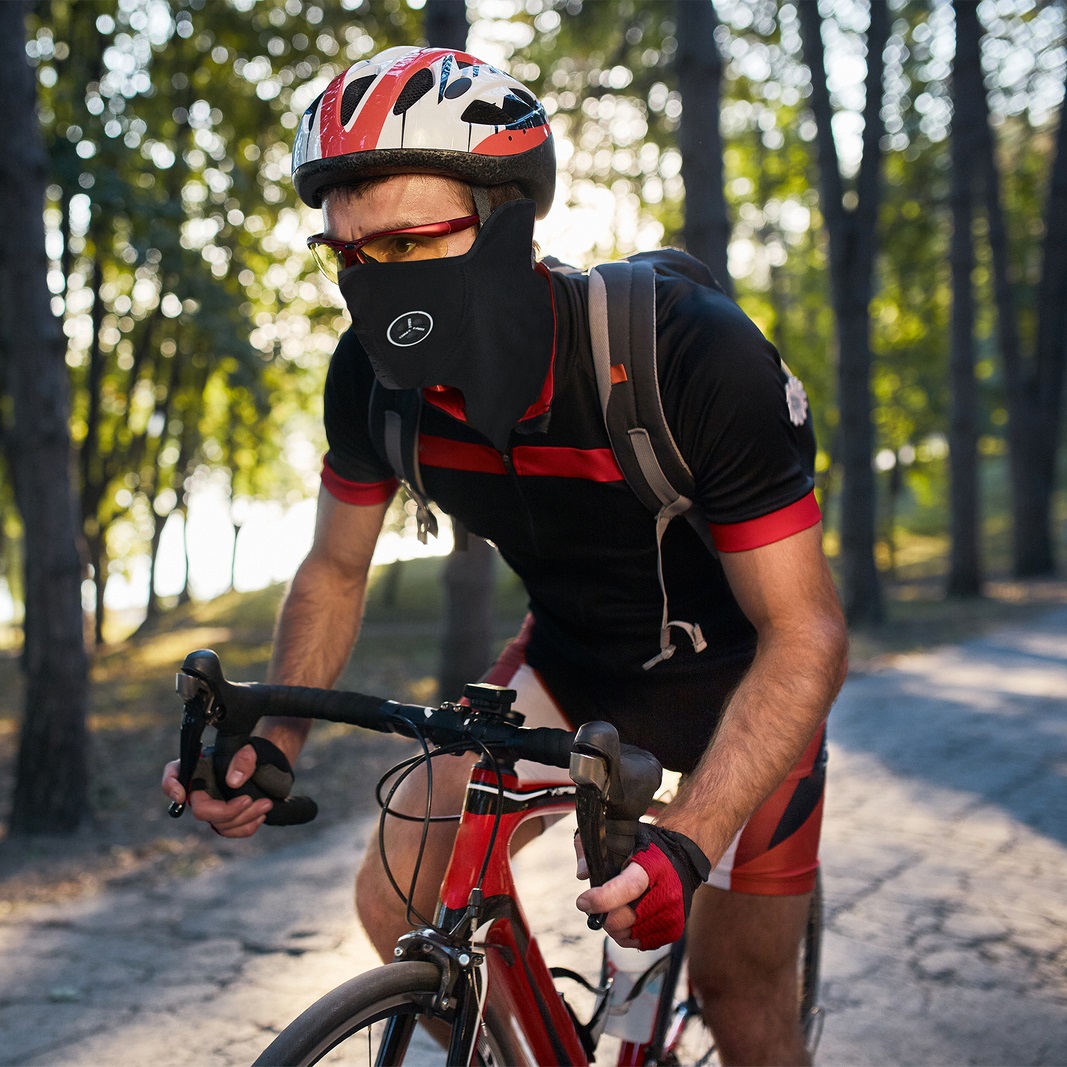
x: 637, y: 979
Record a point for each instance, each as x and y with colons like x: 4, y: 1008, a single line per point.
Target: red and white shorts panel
x: 776, y: 853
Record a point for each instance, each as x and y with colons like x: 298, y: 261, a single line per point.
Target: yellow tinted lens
x: 330, y: 261
x: 405, y: 248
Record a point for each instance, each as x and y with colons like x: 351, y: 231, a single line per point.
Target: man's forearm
x: 767, y: 724
x: 317, y: 627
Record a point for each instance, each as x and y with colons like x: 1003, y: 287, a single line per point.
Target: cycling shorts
x: 776, y: 852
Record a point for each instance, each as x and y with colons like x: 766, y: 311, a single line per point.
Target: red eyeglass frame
x: 351, y: 251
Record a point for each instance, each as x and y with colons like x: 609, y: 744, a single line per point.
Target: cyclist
x: 430, y: 167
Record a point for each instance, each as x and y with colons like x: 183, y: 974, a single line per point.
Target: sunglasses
x: 413, y: 243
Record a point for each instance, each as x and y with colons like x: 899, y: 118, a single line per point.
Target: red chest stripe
x: 593, y: 464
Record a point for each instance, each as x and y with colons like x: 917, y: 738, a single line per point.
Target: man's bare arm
x: 319, y: 621
x: 317, y: 627
x: 786, y: 591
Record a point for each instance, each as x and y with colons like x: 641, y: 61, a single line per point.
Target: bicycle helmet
x: 429, y: 110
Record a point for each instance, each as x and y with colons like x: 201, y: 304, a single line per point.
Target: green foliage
x: 199, y: 333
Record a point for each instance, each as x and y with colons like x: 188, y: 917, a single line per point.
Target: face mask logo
x: 410, y: 328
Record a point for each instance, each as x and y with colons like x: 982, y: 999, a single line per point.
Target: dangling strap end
x: 693, y: 632
x: 665, y: 653
x: 425, y: 523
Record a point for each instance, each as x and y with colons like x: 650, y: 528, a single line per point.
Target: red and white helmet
x: 429, y: 110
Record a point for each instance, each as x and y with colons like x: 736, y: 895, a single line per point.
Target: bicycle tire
x: 808, y: 971
x: 686, y: 1037
x: 346, y: 1025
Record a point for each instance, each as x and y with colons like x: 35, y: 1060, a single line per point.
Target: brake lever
x: 594, y: 768
x: 616, y: 784
x: 199, y: 706
x: 592, y: 831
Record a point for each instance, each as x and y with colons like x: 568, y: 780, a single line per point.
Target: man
x: 429, y: 167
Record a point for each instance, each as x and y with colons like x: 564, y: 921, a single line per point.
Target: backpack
x: 622, y: 328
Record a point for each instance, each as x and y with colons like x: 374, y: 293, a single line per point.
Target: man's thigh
x: 747, y: 924
x: 776, y: 852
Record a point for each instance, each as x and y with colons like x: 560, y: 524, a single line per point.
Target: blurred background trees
x: 814, y: 153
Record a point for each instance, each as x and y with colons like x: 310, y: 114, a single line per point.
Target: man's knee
x: 386, y: 905
x: 744, y: 945
x: 375, y: 898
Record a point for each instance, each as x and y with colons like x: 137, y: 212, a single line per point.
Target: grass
x: 135, y: 714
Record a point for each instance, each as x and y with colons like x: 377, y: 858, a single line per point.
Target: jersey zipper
x: 509, y: 467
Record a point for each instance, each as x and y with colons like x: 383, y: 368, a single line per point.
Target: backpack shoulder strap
x: 393, y: 417
x: 622, y: 327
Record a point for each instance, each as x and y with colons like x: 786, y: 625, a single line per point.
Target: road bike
x: 471, y: 986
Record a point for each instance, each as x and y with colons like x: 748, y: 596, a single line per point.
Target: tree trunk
x: 153, y: 608
x: 96, y: 554
x: 468, y: 576
x: 466, y: 647
x: 51, y: 788
x: 185, y: 594
x: 852, y: 232
x: 445, y: 23
x: 92, y: 462
x: 965, y: 571
x: 1034, y: 387
x: 699, y: 67
x: 1041, y: 418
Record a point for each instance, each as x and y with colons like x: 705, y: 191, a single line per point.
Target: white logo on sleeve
x: 797, y: 400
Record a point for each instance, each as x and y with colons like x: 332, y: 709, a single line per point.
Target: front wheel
x: 378, y: 1017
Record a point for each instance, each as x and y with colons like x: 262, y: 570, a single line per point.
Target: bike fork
x: 458, y: 996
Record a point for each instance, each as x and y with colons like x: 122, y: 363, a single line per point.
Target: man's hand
x: 647, y: 904
x: 240, y: 817
x: 614, y: 898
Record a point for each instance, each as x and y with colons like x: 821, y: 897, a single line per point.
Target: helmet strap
x: 481, y: 202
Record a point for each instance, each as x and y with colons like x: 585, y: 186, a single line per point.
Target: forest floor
x: 128, y: 838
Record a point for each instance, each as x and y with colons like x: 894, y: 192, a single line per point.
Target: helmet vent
x: 418, y: 85
x: 512, y: 111
x: 353, y: 94
x: 482, y: 113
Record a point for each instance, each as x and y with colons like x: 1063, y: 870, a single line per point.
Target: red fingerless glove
x: 675, y: 867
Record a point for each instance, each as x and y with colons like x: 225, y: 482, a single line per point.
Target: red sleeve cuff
x: 741, y: 536
x: 361, y: 493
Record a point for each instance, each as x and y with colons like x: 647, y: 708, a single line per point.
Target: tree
x: 699, y: 67
x: 466, y: 643
x: 169, y: 138
x: 1033, y: 383
x: 52, y: 780
x: 851, y: 225
x: 968, y: 92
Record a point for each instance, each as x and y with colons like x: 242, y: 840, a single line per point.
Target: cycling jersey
x: 557, y: 507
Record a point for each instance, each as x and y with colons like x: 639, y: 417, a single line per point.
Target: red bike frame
x: 525, y: 1003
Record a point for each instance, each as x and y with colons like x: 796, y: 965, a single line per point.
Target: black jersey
x: 559, y: 511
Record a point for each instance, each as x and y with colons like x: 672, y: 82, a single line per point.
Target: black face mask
x: 481, y: 323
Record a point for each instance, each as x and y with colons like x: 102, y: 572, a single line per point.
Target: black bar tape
x: 545, y: 744
x: 246, y: 703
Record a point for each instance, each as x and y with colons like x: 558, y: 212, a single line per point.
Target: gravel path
x: 945, y: 859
